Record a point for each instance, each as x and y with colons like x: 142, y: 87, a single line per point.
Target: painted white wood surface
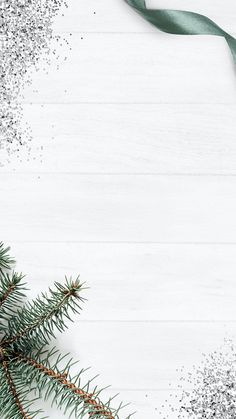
x: 120, y: 208
x: 139, y: 281
x: 128, y: 139
x: 188, y: 70
x: 135, y: 190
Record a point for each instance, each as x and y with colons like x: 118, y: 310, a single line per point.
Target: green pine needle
x: 5, y: 260
x: 26, y: 364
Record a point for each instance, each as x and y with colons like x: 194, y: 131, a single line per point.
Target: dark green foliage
x: 35, y: 323
x: 10, y: 293
x: 27, y: 365
x: 5, y: 260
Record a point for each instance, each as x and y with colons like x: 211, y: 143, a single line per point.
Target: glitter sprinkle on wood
x: 26, y: 40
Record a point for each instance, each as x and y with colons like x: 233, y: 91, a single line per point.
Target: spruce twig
x: 27, y: 364
x: 13, y: 391
x: 5, y: 260
x: 89, y: 399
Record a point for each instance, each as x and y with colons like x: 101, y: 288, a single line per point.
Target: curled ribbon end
x: 180, y: 22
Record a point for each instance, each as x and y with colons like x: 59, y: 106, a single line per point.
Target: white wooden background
x: 136, y: 191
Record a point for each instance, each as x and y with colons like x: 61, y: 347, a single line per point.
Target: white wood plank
x: 142, y: 355
x: 139, y: 282
x: 130, y: 139
x: 107, y: 16
x: 118, y: 208
x: 134, y: 68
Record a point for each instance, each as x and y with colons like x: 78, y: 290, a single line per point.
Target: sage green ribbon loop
x: 182, y: 23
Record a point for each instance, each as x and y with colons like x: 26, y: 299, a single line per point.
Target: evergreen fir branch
x: 5, y: 260
x: 13, y: 391
x: 49, y: 379
x: 36, y: 321
x: 26, y: 365
x: 11, y: 293
x: 8, y: 407
x: 12, y: 404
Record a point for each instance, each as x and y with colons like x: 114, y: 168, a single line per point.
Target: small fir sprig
x: 27, y: 364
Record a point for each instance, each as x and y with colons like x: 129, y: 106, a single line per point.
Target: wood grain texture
x: 138, y: 68
x: 139, y: 282
x: 133, y: 187
x: 179, y: 344
x: 150, y: 208
x: 116, y: 139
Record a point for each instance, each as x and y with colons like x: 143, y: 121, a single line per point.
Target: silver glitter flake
x: 26, y: 34
x: 211, y: 387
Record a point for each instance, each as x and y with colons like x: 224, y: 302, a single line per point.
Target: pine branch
x: 10, y: 294
x: 5, y: 260
x: 25, y: 364
x: 59, y: 382
x: 34, y: 324
x: 13, y: 392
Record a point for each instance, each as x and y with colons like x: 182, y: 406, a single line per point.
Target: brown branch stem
x: 5, y: 296
x: 88, y: 398
x: 14, y: 391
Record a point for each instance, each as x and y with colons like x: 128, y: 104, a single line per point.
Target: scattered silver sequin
x: 26, y: 35
x: 209, y: 391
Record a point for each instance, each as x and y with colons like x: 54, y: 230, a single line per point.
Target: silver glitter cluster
x: 26, y: 34
x: 212, y: 387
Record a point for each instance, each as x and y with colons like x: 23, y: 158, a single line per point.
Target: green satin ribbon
x: 182, y: 23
